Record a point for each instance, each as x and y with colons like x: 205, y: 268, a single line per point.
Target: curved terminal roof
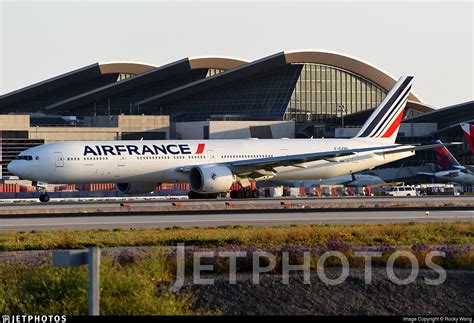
x: 77, y: 77
x: 349, y: 63
x: 97, y: 81
x: 345, y: 62
x: 148, y: 74
x: 218, y: 62
x: 125, y: 67
x: 242, y: 71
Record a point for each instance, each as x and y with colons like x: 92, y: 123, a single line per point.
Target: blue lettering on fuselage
x: 89, y: 150
x: 107, y: 150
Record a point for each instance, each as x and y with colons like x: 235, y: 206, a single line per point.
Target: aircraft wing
x: 265, y: 166
x: 428, y: 174
x: 296, y: 160
x: 300, y: 159
x: 401, y: 149
x: 450, y: 173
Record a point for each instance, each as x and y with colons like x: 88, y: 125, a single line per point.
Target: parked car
x: 402, y: 191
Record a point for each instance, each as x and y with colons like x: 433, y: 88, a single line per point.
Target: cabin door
x: 121, y: 160
x: 59, y: 160
x: 211, y: 156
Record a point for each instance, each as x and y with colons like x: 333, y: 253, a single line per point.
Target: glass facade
x: 124, y: 76
x: 214, y: 71
x: 39, y: 102
x: 259, y: 97
x: 124, y: 102
x: 323, y: 93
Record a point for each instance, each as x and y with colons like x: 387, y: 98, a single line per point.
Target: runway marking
x: 191, y: 221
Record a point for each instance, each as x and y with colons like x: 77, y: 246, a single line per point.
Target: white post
x: 94, y: 280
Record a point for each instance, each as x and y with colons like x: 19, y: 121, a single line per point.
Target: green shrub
x: 135, y: 289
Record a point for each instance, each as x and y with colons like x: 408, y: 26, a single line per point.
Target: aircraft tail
x: 385, y: 121
x: 468, y: 130
x: 445, y: 159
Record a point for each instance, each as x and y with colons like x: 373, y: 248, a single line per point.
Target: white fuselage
x: 455, y: 176
x: 159, y: 161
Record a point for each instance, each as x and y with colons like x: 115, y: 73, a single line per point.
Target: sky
x: 431, y: 40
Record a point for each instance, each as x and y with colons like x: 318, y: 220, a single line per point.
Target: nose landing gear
x: 41, y: 188
x: 44, y: 198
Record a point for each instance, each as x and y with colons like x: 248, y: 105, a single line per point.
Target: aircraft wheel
x: 248, y: 194
x: 240, y: 194
x: 255, y: 194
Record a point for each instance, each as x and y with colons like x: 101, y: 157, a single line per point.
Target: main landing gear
x: 245, y: 193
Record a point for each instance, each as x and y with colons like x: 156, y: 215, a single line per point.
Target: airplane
x: 350, y: 180
x: 468, y: 130
x: 213, y: 166
x: 450, y: 169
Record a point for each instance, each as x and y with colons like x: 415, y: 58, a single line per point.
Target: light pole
x: 343, y: 110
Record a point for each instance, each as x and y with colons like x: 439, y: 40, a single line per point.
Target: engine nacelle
x: 135, y: 188
x: 211, y: 179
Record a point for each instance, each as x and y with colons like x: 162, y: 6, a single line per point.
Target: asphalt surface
x: 84, y: 222
x: 109, y: 202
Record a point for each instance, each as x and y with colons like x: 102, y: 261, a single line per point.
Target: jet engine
x: 211, y: 179
x: 135, y: 188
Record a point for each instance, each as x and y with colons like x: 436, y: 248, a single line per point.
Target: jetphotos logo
x: 33, y: 318
x: 145, y: 149
x: 266, y: 262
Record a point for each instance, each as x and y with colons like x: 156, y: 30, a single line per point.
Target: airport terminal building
x: 300, y: 94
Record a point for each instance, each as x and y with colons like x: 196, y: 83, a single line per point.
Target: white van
x: 402, y: 191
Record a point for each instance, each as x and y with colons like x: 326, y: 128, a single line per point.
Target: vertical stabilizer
x: 385, y: 121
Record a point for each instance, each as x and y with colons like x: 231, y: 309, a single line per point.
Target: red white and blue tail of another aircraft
x: 468, y: 130
x: 445, y: 159
x: 449, y: 168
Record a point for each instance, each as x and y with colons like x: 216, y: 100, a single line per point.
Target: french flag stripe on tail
x: 385, y: 120
x: 390, y: 117
x: 394, y: 125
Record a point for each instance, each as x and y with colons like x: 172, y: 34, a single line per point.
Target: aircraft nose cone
x: 11, y: 167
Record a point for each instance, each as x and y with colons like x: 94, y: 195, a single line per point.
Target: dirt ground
x: 352, y: 297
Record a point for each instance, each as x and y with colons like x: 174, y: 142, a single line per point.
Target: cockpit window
x: 24, y: 157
